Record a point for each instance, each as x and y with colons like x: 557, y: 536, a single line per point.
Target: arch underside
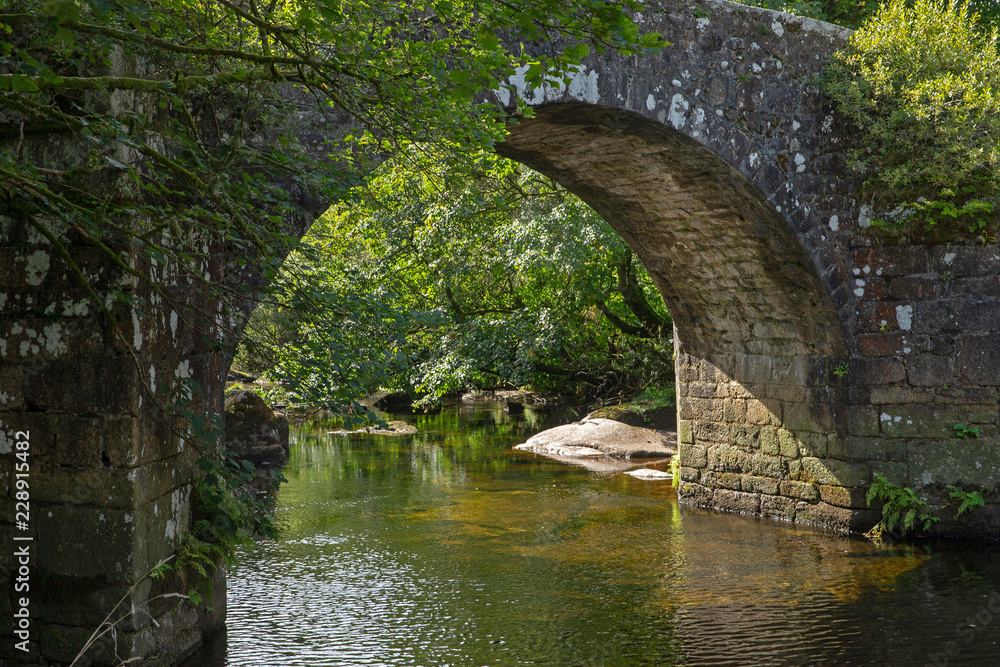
x: 757, y: 331
x: 733, y: 274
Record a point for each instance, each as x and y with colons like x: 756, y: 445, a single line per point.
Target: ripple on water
x: 453, y: 551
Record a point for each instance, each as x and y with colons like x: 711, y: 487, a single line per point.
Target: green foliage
x: 438, y: 276
x: 841, y: 369
x: 849, y: 14
x: 901, y: 508
x: 656, y: 397
x: 964, y: 432
x: 675, y: 470
x: 922, y: 80
x: 968, y: 500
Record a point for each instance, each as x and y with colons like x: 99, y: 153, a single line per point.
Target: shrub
x: 922, y: 82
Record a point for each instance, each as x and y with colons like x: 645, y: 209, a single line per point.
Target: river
x: 449, y: 548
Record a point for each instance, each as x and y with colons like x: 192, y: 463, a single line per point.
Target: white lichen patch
x: 173, y: 324
x: 800, y: 162
x: 36, y: 267
x: 703, y: 23
x: 865, y: 217
x: 904, y: 316
x: 53, y: 341
x: 834, y: 223
x: 582, y: 87
x: 678, y: 110
x: 949, y: 257
x: 136, y: 330
x: 650, y: 102
x: 6, y: 440
x: 777, y: 29
x: 75, y: 308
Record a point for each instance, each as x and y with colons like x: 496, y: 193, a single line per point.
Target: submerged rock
x: 253, y: 432
x: 603, y: 436
x: 395, y: 428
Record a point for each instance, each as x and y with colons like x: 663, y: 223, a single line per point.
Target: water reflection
x: 447, y: 548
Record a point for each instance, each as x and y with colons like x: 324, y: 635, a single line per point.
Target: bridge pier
x: 108, y: 489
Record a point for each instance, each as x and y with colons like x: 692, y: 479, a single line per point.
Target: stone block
x: 685, y: 432
x: 753, y: 369
x: 859, y: 448
x: 882, y: 344
x: 702, y: 409
x: 841, y: 519
x: 690, y: 474
x: 111, y: 538
x: 723, y: 458
x: 11, y: 394
x: 876, y: 316
x: 892, y: 260
x: 902, y: 395
x: 982, y: 415
x: 722, y: 480
x: 705, y: 390
x: 92, y: 385
x: 735, y: 410
x: 777, y: 507
x: 975, y: 461
x: 769, y: 441
x: 812, y: 444
x: 711, y: 432
x: 978, y: 358
x: 877, y: 371
x: 799, y: 490
x: 103, y: 486
x: 916, y: 287
x: 863, y: 420
x: 764, y: 412
x: 736, y: 501
x: 808, y: 417
x: 766, y: 485
x: 957, y: 315
x: 920, y: 421
x: 693, y: 456
x: 787, y: 444
x: 840, y: 496
x: 764, y: 465
x: 965, y: 261
x: 745, y: 436
x: 836, y: 473
x: 694, y: 494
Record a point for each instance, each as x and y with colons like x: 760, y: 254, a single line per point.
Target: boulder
x: 396, y: 401
x: 609, y: 437
x: 253, y: 432
x: 513, y: 407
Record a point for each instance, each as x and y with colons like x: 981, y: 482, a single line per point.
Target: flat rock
x: 649, y: 473
x: 599, y: 437
x: 395, y: 428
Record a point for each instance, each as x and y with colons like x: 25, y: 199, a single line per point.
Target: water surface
x: 448, y: 548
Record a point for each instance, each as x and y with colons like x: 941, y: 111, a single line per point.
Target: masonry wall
x: 110, y: 483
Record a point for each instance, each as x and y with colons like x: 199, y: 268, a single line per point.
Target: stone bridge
x: 809, y: 358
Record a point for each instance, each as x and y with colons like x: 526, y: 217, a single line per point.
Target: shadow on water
x: 448, y: 548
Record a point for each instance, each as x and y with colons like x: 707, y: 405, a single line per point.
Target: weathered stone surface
x: 602, y: 436
x: 253, y: 432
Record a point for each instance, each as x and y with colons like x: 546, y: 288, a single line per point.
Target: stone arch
x: 757, y: 331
